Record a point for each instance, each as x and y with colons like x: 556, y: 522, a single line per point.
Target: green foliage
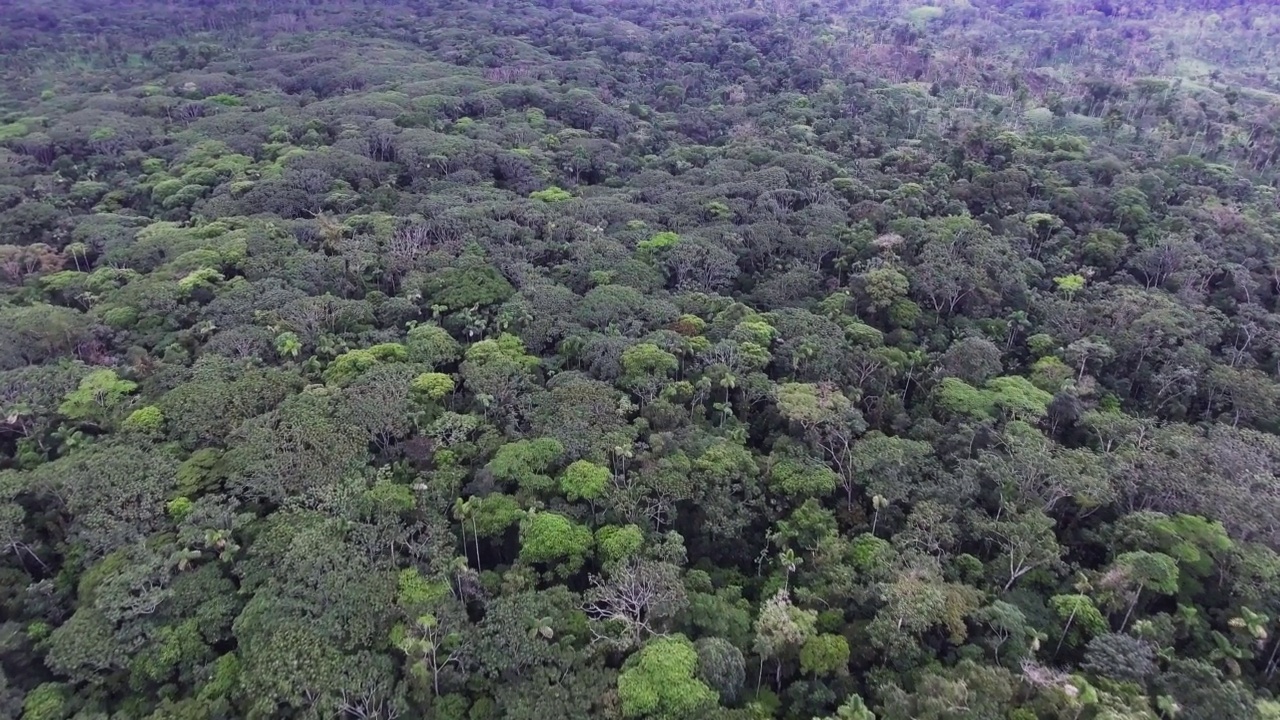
x: 351, y: 364
x: 659, y: 682
x: 415, y: 592
x: 722, y: 667
x: 923, y: 15
x: 1013, y: 397
x: 47, y: 701
x: 1080, y: 617
x: 195, y: 474
x: 647, y: 363
x: 179, y: 508
x: 1050, y: 374
x: 432, y: 345
x: 885, y: 287
x: 1195, y: 543
x: 99, y: 393
x: 661, y: 241
x: 799, y: 479
x: 288, y: 345
x: 326, y: 362
x: 199, y: 278
x: 506, y: 348
x: 466, y: 285
x: 1120, y: 657
x: 825, y: 655
x: 853, y: 708
x: 810, y: 404
x: 495, y: 513
x: 552, y: 194
x: 868, y: 553
x: 550, y: 538
x: 527, y: 463
x: 13, y: 131
x: 1152, y: 570
x: 1069, y: 284
x: 147, y: 420
x: 433, y: 386
x: 389, y: 497
x: 618, y: 543
x: 584, y: 480
x: 225, y: 99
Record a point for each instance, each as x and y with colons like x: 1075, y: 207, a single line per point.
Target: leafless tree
x: 633, y: 601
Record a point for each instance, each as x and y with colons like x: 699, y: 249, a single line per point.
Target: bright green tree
x: 584, y: 480
x: 550, y: 538
x: 99, y: 394
x: 527, y: 463
x: 659, y: 683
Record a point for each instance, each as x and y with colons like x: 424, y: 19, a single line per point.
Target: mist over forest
x: 639, y: 360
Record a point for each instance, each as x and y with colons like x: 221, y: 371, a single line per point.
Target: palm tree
x: 571, y: 347
x: 182, y: 559
x: 790, y: 561
x: 462, y: 511
x: 878, y: 503
x: 541, y: 627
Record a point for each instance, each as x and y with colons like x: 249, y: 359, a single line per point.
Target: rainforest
x: 639, y: 359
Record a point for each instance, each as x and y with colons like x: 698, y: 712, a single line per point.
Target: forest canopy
x: 714, y: 360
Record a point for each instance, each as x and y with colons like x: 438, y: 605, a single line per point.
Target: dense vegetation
x: 580, y: 359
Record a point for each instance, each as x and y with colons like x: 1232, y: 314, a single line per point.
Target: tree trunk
x: 1066, y: 629
x: 1132, y: 605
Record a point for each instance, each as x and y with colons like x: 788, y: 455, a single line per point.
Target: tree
x: 1079, y: 613
x: 973, y: 360
x: 919, y: 599
x: 38, y: 333
x: 1010, y: 636
x: 527, y: 463
x: 722, y: 667
x: 500, y: 375
x: 646, y: 369
x: 1027, y: 541
x: 884, y: 287
x: 1202, y: 693
x: 492, y: 514
x: 296, y: 450
x: 584, y: 415
x: 433, y: 386
x: 891, y: 467
x: 797, y: 478
x: 549, y: 538
x: 618, y: 543
x: 379, y: 403
x: 431, y: 345
x: 584, y: 480
x: 527, y: 630
x: 433, y: 646
x: 968, y: 691
x: 634, y: 601
x: 830, y: 423
x: 853, y: 708
x: 46, y: 702
x: 353, y: 363
x: 1133, y: 572
x: 1120, y: 657
x: 825, y: 655
x: 659, y: 682
x: 114, y: 493
x: 98, y: 394
x: 781, y: 629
